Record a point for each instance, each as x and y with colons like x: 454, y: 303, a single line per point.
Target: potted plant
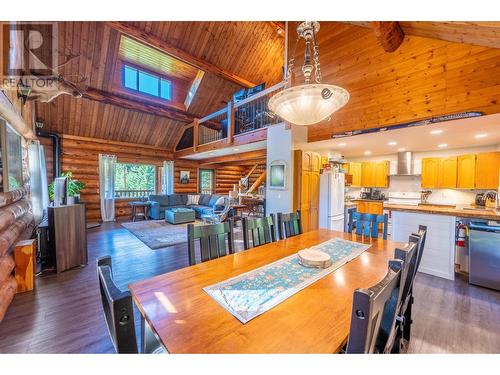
x: 74, y: 188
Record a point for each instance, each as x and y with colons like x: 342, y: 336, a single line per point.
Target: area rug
x: 158, y: 234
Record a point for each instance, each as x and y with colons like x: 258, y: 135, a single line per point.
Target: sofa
x: 159, y: 202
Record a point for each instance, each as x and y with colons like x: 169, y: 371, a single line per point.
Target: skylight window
x: 146, y: 83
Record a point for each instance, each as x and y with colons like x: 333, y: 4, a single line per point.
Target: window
x: 11, y: 160
x: 206, y: 181
x: 134, y: 180
x: 146, y: 83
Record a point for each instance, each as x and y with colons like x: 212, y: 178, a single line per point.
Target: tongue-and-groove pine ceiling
x: 250, y: 50
x: 440, y: 68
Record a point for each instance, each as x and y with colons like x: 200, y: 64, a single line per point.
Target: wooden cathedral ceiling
x: 243, y: 52
x: 438, y: 69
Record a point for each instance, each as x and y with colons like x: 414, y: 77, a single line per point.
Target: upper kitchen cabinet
x: 466, y: 171
x: 448, y: 174
x: 375, y: 174
x: 487, y: 170
x: 355, y: 172
x: 430, y: 172
x: 311, y: 161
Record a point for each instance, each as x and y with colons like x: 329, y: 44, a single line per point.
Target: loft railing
x: 244, y: 116
x: 132, y: 193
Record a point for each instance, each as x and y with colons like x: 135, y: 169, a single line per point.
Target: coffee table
x: 179, y: 215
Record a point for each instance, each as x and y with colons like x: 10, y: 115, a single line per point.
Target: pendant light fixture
x: 309, y: 103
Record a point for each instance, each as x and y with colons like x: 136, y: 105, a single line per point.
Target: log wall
x: 186, y: 165
x: 80, y: 155
x: 227, y: 176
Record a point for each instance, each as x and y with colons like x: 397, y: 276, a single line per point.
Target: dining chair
x: 408, y: 255
x: 212, y: 239
x: 289, y: 225
x: 119, y: 315
x: 260, y: 230
x: 368, y: 224
x: 406, y: 310
x: 374, y: 314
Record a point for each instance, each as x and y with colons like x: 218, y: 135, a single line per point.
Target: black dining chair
x: 408, y: 255
x: 119, y: 315
x: 367, y: 225
x: 212, y: 240
x: 289, y: 225
x: 260, y: 230
x: 405, y: 315
x: 374, y: 314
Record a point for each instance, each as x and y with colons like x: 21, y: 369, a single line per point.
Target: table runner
x: 252, y: 293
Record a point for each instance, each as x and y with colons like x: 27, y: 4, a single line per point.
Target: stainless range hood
x: 405, y: 164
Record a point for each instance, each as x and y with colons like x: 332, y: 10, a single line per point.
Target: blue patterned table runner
x: 252, y: 293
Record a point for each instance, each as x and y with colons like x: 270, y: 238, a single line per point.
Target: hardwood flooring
x: 63, y: 314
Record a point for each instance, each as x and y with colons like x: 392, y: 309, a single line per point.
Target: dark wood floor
x: 64, y: 314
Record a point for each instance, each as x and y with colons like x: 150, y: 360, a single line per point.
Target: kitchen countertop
x: 443, y: 210
x: 368, y: 200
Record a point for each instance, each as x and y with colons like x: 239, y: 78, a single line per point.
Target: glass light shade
x: 308, y: 104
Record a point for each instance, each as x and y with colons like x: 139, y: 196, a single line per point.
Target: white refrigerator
x: 331, y: 200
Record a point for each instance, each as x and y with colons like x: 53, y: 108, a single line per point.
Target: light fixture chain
x: 317, y: 68
x: 291, y: 63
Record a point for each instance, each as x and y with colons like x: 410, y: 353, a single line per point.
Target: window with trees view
x: 134, y: 180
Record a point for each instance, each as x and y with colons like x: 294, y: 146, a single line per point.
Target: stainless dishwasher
x: 484, y: 255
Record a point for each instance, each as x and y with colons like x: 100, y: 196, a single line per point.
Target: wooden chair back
x: 422, y: 234
x: 289, y: 225
x: 212, y: 239
x: 374, y: 314
x: 118, y: 309
x: 260, y: 230
x: 368, y: 224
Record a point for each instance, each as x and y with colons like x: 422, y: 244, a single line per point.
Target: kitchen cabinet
x: 466, y: 171
x: 367, y: 174
x: 487, y: 170
x: 355, y: 172
x: 370, y: 207
x: 430, y: 173
x: 375, y: 174
x: 306, y: 194
x: 381, y: 174
x: 448, y: 173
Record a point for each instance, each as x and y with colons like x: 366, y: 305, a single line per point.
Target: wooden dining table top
x: 314, y: 320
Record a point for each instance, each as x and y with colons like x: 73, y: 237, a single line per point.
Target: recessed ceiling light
x: 342, y: 144
x: 368, y: 152
x: 392, y: 143
x: 436, y: 131
x: 443, y: 145
x: 481, y: 135
x: 401, y: 149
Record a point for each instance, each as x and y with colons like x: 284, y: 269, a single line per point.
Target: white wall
x: 412, y: 183
x: 280, y: 145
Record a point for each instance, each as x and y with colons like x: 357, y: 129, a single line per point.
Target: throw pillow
x: 193, y: 199
x: 219, y: 202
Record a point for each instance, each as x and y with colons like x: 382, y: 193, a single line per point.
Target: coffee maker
x: 366, y: 193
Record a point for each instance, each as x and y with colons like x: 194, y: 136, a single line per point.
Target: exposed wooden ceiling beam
x: 126, y: 103
x: 389, y: 34
x: 250, y: 155
x: 166, y: 47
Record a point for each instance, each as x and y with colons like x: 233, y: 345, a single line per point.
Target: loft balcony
x: 240, y: 122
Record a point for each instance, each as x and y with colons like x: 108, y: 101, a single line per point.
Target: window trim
x: 5, y: 155
x: 150, y: 73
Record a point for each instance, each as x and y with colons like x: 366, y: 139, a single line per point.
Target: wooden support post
x: 196, y: 133
x: 259, y: 181
x: 24, y: 256
x: 230, y: 122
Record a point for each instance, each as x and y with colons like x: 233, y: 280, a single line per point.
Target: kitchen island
x: 439, y: 255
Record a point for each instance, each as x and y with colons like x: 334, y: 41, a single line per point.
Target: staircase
x: 256, y: 177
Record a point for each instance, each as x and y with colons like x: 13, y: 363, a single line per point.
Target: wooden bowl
x: 314, y: 258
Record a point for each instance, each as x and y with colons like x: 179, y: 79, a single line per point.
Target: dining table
x: 185, y: 319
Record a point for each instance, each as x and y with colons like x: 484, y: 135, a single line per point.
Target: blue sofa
x: 158, y: 204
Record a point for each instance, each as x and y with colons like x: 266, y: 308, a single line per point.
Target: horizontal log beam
x: 235, y: 157
x: 164, y: 46
x: 138, y: 106
x: 390, y: 35
x: 8, y: 289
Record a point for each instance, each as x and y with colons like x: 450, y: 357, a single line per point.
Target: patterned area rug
x: 158, y: 234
